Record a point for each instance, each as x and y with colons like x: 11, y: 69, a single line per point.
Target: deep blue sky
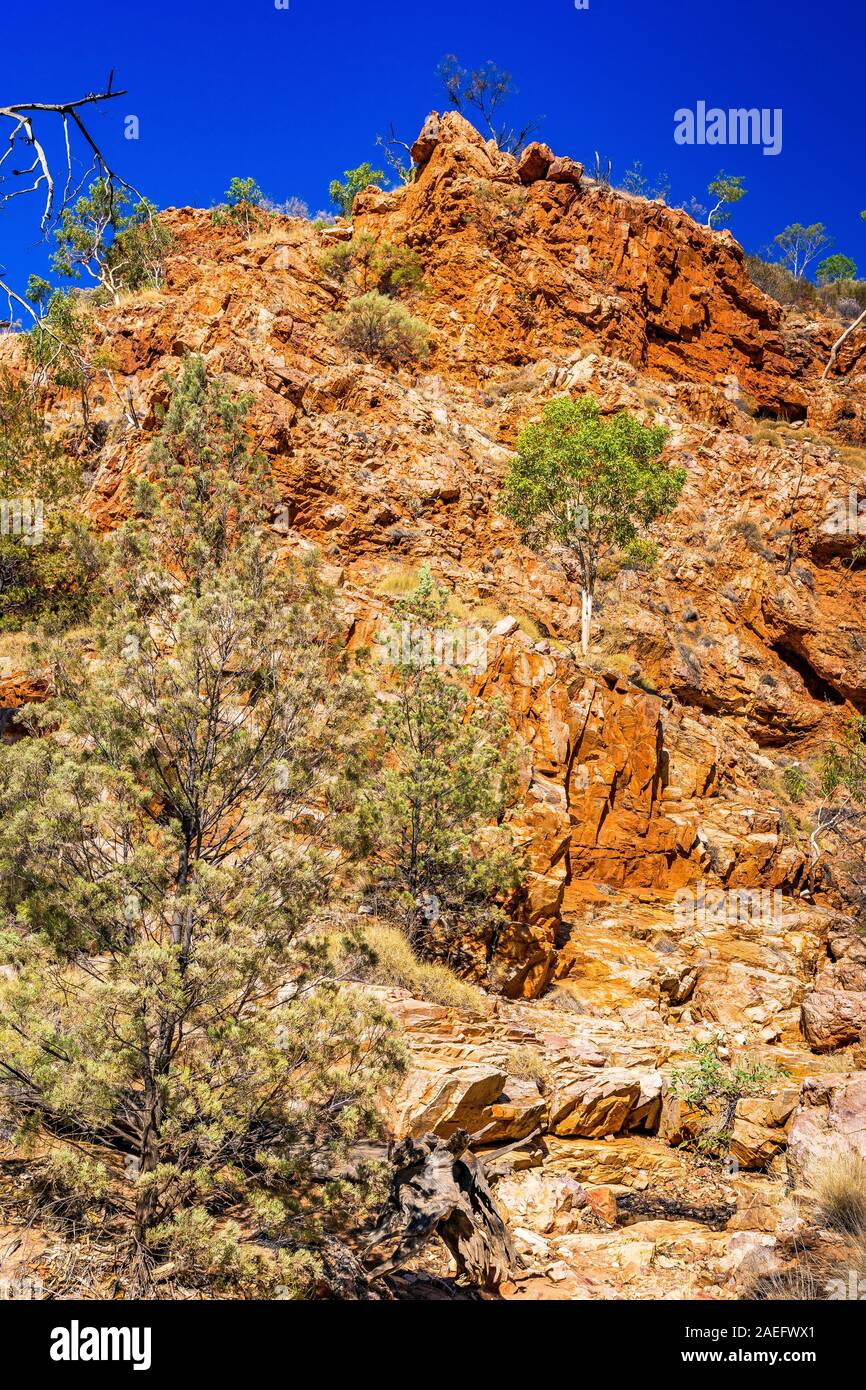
x: 294, y: 97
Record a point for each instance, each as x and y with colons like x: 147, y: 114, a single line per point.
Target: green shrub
x: 368, y: 264
x: 244, y: 204
x: 716, y: 1088
x: 344, y: 194
x: 376, y: 327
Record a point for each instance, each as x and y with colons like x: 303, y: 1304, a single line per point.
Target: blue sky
x: 293, y: 97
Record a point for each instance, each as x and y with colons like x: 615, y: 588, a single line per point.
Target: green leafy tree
x: 160, y: 861
x: 716, y: 1087
x: 835, y: 268
x: 485, y: 90
x: 588, y: 484
x: 49, y: 570
x: 60, y: 344
x: 244, y: 204
x: 343, y: 194
x: 799, y: 245
x: 116, y: 249
x: 376, y: 326
x: 727, y: 189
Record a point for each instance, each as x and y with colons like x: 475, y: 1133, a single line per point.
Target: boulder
x: 830, y: 1119
x: 441, y: 1102
x: 833, y: 1018
x: 480, y: 1099
x: 523, y: 959
x: 534, y: 162
x: 427, y: 140
x: 607, y: 1102
x: 564, y: 170
x: 547, y: 1203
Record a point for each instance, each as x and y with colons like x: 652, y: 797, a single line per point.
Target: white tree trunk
x: 585, y: 619
x: 838, y: 343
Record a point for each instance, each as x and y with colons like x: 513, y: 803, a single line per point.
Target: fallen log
x: 439, y: 1187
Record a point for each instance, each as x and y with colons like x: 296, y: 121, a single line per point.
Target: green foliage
x: 795, y: 782
x: 835, y: 268
x: 49, y: 579
x: 118, y: 250
x: 799, y: 245
x: 244, y: 202
x: 380, y: 329
x: 778, y: 282
x: 367, y: 264
x: 715, y: 1087
x: 59, y: 345
x: 726, y: 189
x: 844, y: 766
x: 170, y: 842
x: 426, y: 814
x: 207, y: 493
x: 343, y: 194
x: 587, y: 484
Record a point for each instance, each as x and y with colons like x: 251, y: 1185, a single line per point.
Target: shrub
x: 795, y: 782
x: 716, y: 1088
x: 780, y: 284
x: 380, y: 329
x: 838, y: 1184
x: 530, y: 1064
x: 243, y: 201
x: 344, y: 194
x: 369, y: 264
x: 48, y: 576
x: 291, y: 207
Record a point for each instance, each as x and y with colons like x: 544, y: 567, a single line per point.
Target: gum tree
x: 115, y: 248
x: 587, y: 484
x: 727, y: 189
x: 799, y: 245
x: 344, y: 194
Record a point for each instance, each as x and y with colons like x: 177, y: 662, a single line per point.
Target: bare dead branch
x: 23, y: 117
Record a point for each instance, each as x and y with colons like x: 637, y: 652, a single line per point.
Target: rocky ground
x: 654, y: 768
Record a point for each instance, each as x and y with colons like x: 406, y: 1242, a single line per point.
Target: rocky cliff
x: 655, y: 768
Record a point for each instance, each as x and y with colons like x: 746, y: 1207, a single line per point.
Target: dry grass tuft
x: 395, y: 964
x: 838, y: 1185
